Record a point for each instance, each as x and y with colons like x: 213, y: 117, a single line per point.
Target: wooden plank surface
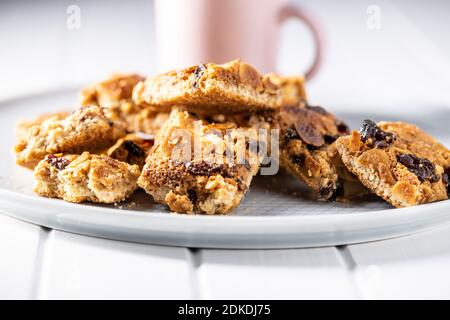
x: 412, y: 267
x: 83, y: 267
x: 318, y: 273
x: 19, y: 252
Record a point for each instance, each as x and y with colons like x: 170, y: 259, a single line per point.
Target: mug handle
x: 291, y: 11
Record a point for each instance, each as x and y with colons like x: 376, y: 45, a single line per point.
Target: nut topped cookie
x: 86, y: 129
x: 210, y: 89
x: 132, y: 149
x: 307, y: 149
x: 292, y: 88
x: 25, y: 125
x: 114, y: 94
x: 111, y: 92
x: 398, y: 161
x: 85, y: 177
x: 199, y: 167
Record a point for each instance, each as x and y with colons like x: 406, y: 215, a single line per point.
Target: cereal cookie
x: 86, y: 129
x: 213, y: 183
x: 292, y: 88
x: 210, y: 89
x: 111, y: 92
x: 398, y: 161
x: 308, y: 150
x: 25, y: 125
x: 85, y: 177
x: 132, y: 149
x: 114, y: 95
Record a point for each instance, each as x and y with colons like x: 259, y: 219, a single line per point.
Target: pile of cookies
x: 126, y: 131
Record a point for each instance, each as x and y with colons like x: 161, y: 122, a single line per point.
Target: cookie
x: 111, y: 92
x: 210, y: 88
x: 25, y: 125
x: 398, y: 161
x: 308, y: 150
x: 114, y: 94
x: 199, y: 167
x: 132, y: 149
x: 85, y: 177
x: 292, y: 88
x: 86, y: 129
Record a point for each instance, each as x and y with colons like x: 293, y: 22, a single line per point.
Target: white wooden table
x: 40, y: 263
x: 403, y: 61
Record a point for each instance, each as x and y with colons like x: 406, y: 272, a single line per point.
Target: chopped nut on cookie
x: 398, y: 161
x: 114, y: 95
x: 25, y: 125
x: 199, y: 167
x: 232, y: 87
x: 85, y: 177
x: 132, y: 149
x: 307, y: 149
x: 86, y: 129
x: 292, y: 88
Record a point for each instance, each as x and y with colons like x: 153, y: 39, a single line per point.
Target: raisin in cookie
x: 114, y: 94
x: 398, y: 161
x: 210, y: 89
x: 86, y: 129
x: 85, y: 177
x: 132, y: 149
x: 307, y: 149
x: 199, y: 167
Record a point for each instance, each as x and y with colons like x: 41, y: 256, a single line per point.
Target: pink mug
x: 189, y: 32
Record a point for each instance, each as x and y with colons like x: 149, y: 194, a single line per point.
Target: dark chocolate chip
x: 133, y: 149
x: 57, y: 162
x: 424, y: 169
x: 374, y: 136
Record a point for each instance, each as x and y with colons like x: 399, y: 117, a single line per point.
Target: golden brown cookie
x: 398, y: 161
x: 85, y: 177
x: 86, y: 129
x: 110, y: 92
x: 114, y: 94
x: 308, y: 150
x: 24, y: 125
x: 133, y: 148
x: 292, y: 88
x: 199, y: 167
x: 210, y: 89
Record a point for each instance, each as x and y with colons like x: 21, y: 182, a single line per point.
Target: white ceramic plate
x: 278, y: 212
